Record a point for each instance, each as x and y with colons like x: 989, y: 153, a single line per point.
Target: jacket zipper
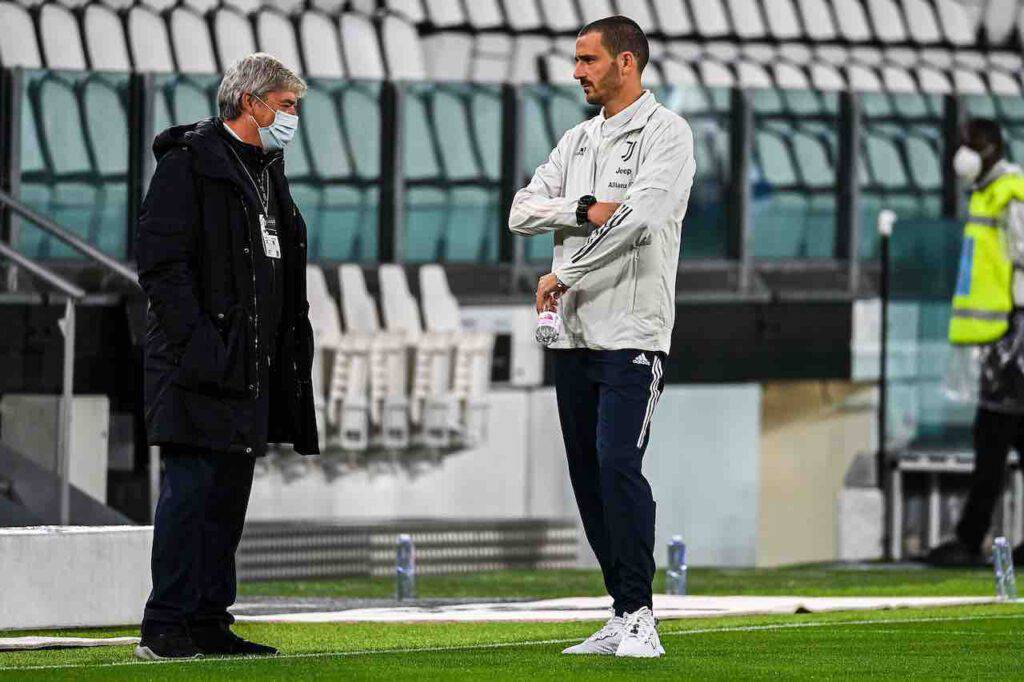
x: 255, y: 306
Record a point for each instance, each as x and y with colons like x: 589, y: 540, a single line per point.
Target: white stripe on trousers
x: 652, y: 401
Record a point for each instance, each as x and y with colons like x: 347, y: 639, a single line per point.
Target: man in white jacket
x: 614, y: 191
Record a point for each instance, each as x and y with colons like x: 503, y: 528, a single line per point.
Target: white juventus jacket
x: 622, y: 275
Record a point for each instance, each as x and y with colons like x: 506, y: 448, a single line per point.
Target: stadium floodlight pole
x: 886, y: 218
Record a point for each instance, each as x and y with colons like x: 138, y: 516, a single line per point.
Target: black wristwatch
x: 583, y: 207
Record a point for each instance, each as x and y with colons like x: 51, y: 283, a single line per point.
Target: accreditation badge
x: 268, y: 229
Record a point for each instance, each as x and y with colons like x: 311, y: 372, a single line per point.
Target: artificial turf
x: 961, y: 642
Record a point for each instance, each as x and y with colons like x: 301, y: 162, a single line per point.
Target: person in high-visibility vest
x: 988, y: 316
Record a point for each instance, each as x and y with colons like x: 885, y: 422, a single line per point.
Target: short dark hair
x: 990, y: 132
x: 620, y: 34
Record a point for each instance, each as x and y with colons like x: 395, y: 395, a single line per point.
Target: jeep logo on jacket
x: 622, y: 275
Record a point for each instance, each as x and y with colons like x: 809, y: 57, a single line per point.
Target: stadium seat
x: 411, y: 10
x: 673, y: 18
x: 18, y: 45
x: 403, y: 52
x: 959, y: 21
x: 104, y: 39
x: 147, y: 37
x: 60, y: 38
x: 320, y: 47
x: 999, y: 20
x: 639, y: 11
x: 559, y: 16
x: 193, y: 47
x: 275, y: 35
x: 710, y: 21
x: 326, y: 324
x: 852, y: 21
x: 233, y: 35
x: 400, y: 311
x: 362, y: 52
x: 485, y: 15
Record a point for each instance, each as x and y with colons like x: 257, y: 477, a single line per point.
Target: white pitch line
x: 525, y: 643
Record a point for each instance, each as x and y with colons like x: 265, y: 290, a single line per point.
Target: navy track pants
x: 606, y: 400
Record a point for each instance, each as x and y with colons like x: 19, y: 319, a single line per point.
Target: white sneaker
x: 640, y: 639
x: 605, y: 641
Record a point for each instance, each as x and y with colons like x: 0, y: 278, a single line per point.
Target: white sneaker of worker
x: 640, y: 638
x: 605, y: 641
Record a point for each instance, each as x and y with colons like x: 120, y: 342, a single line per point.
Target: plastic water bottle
x: 1002, y: 562
x: 549, y: 327
x: 405, y: 569
x: 675, y: 576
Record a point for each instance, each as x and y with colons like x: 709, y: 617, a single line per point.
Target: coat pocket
x: 214, y: 362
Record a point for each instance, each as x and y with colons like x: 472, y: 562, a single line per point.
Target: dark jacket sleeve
x: 165, y: 247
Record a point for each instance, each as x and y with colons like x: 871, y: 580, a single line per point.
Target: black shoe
x: 220, y: 641
x: 954, y: 554
x: 173, y: 644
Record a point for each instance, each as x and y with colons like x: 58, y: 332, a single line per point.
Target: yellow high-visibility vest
x: 983, y: 299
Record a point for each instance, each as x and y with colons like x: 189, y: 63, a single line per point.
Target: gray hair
x: 256, y: 74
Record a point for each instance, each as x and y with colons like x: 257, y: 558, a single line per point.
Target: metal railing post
x: 391, y: 229
x: 511, y: 165
x: 740, y: 241
x: 847, y: 244
x: 11, y: 93
x: 67, y: 327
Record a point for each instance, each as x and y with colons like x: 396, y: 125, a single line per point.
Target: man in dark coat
x: 221, y: 251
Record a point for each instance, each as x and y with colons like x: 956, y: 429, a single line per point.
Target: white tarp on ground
x: 26, y: 643
x: 597, y: 608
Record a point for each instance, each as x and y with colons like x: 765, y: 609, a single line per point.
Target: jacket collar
x: 998, y: 170
x: 646, y: 105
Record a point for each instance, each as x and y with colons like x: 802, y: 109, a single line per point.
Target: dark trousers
x: 994, y: 434
x: 199, y: 519
x: 605, y: 403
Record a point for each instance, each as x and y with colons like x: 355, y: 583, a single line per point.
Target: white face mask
x: 279, y: 133
x: 967, y: 164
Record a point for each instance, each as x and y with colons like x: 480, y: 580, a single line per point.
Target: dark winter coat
x: 208, y: 384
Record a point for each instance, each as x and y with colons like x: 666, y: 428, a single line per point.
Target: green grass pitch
x: 952, y: 643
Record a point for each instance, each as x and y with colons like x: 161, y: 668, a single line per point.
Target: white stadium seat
x: 999, y: 20
x: 193, y: 47
x: 403, y: 52
x: 321, y: 49
x: 592, y: 10
x: 234, y: 36
x: 105, y: 40
x: 922, y: 22
x: 710, y: 19
x: 817, y: 20
x: 484, y: 14
x: 672, y: 18
x: 523, y: 15
x: 888, y: 21
x: 747, y: 23
x: 150, y: 46
x: 783, y: 20
x: 410, y: 9
x: 61, y: 40
x: 18, y: 41
x: 639, y: 11
x: 360, y: 47
x: 559, y: 15
x: 852, y: 21
x: 275, y: 35
x: 959, y: 21
x: 443, y: 14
